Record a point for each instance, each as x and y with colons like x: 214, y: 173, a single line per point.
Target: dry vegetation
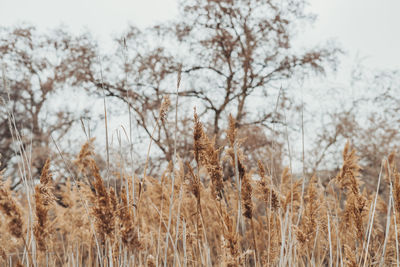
x: 220, y: 199
x: 190, y: 216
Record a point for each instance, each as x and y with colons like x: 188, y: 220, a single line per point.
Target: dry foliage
x: 248, y: 220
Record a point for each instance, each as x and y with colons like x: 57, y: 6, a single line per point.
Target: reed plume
x: 44, y: 198
x: 230, y: 244
x: 164, y: 109
x: 207, y: 155
x: 264, y: 186
x: 129, y: 234
x: 10, y: 207
x: 104, y: 207
x: 348, y: 178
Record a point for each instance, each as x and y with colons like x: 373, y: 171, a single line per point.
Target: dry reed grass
x: 211, y: 222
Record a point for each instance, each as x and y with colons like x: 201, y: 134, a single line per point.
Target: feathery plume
x: 103, y: 209
x: 11, y: 209
x: 44, y: 197
x: 270, y: 196
x: 164, y: 108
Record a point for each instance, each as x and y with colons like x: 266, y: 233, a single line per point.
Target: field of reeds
x: 190, y: 216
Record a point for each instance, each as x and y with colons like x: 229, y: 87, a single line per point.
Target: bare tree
x: 369, y: 120
x: 234, y: 55
x: 35, y: 67
x: 242, y: 49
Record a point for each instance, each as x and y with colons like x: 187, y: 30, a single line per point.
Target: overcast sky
x: 367, y: 28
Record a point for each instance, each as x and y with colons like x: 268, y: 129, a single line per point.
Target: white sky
x: 367, y: 28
